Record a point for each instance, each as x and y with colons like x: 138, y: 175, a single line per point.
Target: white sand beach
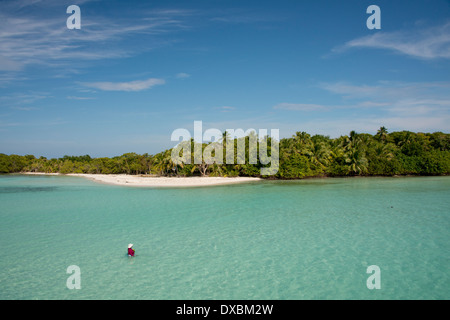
x: 152, y: 181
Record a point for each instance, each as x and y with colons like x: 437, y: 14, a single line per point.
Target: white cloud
x: 408, y: 97
x: 225, y: 108
x: 299, y: 107
x: 7, y: 64
x: 385, y: 92
x: 19, y: 99
x: 79, y: 98
x: 415, y: 106
x: 342, y: 126
x: 424, y: 43
x: 137, y: 85
x: 182, y: 75
x: 24, y: 108
x: 31, y: 38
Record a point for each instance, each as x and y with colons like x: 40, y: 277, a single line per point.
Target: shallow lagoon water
x: 309, y: 239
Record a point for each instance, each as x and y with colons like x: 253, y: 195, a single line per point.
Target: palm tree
x: 319, y: 155
x: 357, y: 162
x: 163, y: 163
x: 354, y: 153
x: 302, y: 138
x: 385, y: 151
x: 406, y: 139
x: 301, y: 143
x: 225, y: 137
x: 157, y: 163
x: 382, y: 134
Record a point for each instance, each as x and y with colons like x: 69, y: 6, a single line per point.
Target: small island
x: 301, y: 156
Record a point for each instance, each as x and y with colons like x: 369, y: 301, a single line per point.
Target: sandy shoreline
x: 147, y: 181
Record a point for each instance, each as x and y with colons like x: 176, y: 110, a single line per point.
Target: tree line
x: 300, y: 156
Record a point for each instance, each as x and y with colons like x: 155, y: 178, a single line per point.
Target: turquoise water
x: 311, y: 239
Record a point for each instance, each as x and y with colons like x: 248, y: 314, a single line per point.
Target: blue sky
x: 138, y: 70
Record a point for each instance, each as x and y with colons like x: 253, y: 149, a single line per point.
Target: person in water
x: 130, y: 250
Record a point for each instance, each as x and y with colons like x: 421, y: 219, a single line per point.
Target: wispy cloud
x: 423, y: 43
x: 237, y: 16
x: 40, y: 38
x: 225, y: 108
x: 364, y: 124
x: 182, y: 75
x: 389, y: 92
x: 402, y: 99
x: 137, y: 85
x: 80, y: 98
x: 17, y: 100
x: 20, y: 4
x: 299, y: 107
x: 416, y: 106
x: 43, y: 124
x: 24, y: 108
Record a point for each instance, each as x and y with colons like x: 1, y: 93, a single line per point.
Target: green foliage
x: 13, y: 163
x: 293, y: 166
x: 302, y: 155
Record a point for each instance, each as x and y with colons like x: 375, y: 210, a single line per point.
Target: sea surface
x: 309, y: 239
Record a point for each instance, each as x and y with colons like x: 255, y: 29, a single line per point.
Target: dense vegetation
x: 303, y: 155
